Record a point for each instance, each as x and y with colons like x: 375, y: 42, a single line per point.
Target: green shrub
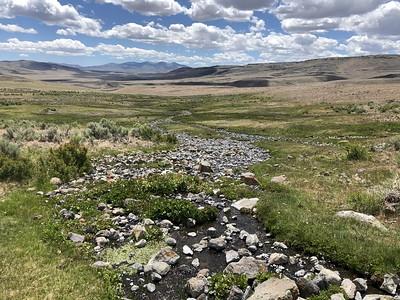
x: 12, y: 166
x: 68, y: 161
x: 357, y: 152
x: 149, y: 133
x: 179, y: 211
x: 222, y: 283
x: 365, y: 203
x: 396, y: 145
x: 15, y: 169
x: 106, y: 129
x: 9, y: 149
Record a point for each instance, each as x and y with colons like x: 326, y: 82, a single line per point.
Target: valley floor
x: 324, y: 157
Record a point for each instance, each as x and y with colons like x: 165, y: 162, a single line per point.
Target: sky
x: 196, y: 32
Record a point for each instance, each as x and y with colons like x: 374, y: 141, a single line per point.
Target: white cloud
x: 234, y: 10
x: 16, y: 28
x: 378, y: 17
x: 365, y: 45
x: 211, y: 10
x: 55, y: 47
x: 149, y: 7
x: 316, y: 9
x: 50, y: 12
x: 384, y: 21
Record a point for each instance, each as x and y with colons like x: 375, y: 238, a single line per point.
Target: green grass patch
x: 221, y: 284
x: 33, y: 266
x: 304, y: 223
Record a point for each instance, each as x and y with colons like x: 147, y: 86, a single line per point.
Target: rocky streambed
x: 235, y: 243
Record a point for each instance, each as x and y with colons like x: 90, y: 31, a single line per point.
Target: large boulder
x: 246, y: 204
x: 166, y: 255
x: 248, y: 266
x: 363, y: 218
x: 217, y: 244
x: 195, y: 286
x: 276, y: 289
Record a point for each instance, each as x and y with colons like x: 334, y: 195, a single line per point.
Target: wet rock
x: 212, y: 232
x: 349, y: 288
x: 390, y: 283
x: 278, y: 259
x: 248, y: 266
x: 195, y: 286
x: 187, y: 251
x: 279, y: 245
x: 361, y: 284
x: 151, y: 288
x: 155, y: 277
x: 235, y: 294
x: 244, y: 252
x: 231, y: 256
x: 166, y: 255
x: 160, y: 267
x: 307, y: 288
x: 276, y: 289
x: 196, y: 263
x: 330, y: 277
x: 217, y: 244
x: 363, y: 218
x: 252, y: 240
x: 170, y: 241
x: 246, y: 204
x: 249, y: 179
x: 76, y: 238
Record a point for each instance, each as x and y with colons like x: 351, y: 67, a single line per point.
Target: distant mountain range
x: 111, y: 76
x: 136, y: 67
x: 126, y: 68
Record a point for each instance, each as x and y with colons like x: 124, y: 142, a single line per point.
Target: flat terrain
x: 336, y: 142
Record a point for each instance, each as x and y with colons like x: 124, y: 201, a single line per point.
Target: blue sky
x: 196, y: 32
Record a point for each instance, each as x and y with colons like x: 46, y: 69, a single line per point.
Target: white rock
x: 361, y: 284
x: 349, y: 288
x: 368, y: 219
x: 246, y: 204
x: 331, y: 277
x: 278, y: 259
x: 196, y: 263
x: 390, y: 283
x: 231, y: 256
x: 276, y: 289
x: 187, y: 250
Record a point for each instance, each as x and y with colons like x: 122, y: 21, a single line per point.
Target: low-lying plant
x: 179, y: 211
x: 221, y: 284
x: 357, y: 152
x: 366, y: 203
